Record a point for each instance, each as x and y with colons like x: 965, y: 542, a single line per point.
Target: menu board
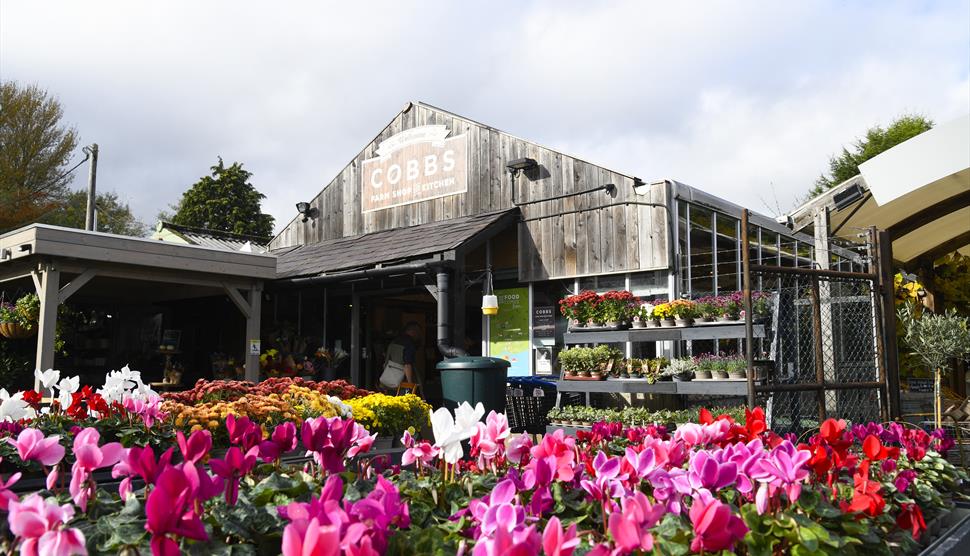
x: 509, y: 330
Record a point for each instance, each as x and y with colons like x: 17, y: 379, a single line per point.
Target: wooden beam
x: 253, y: 329
x: 933, y: 212
x: 237, y: 298
x: 944, y: 248
x: 76, y: 284
x: 36, y: 275
x: 47, y: 325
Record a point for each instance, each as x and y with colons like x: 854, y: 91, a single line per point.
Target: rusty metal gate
x: 822, y: 352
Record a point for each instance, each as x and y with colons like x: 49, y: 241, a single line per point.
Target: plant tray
x: 718, y: 322
x: 581, y: 378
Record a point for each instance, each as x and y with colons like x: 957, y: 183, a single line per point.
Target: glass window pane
x: 769, y: 248
x: 684, y: 269
x: 701, y: 252
x: 646, y: 283
x: 727, y: 254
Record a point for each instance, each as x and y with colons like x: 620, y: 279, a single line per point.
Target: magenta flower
x: 6, y: 495
x: 786, y: 467
x: 556, y: 542
x: 706, y: 472
x: 89, y: 457
x: 638, y: 465
x: 903, y: 479
x: 524, y: 541
x: 196, y: 447
x: 139, y: 462
x: 32, y: 446
x: 716, y: 527
x: 362, y: 441
x: 232, y: 468
x: 332, y: 439
x: 150, y: 410
x: 243, y: 432
x: 282, y: 441
x: 608, y: 481
x: 630, y: 527
x: 171, y: 512
x: 562, y: 449
x: 518, y: 447
x: 488, y: 441
x: 313, y: 539
x: 422, y: 453
x: 39, y: 526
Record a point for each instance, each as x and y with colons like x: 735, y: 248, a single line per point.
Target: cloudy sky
x: 744, y: 99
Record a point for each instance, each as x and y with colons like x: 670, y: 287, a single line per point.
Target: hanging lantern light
x: 489, y: 299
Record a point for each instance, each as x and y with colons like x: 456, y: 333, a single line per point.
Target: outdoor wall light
x: 610, y: 189
x: 306, y: 210
x: 521, y: 165
x: 489, y: 299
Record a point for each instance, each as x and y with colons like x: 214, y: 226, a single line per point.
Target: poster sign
x: 254, y: 347
x: 544, y: 321
x: 922, y: 385
x: 509, y: 330
x: 415, y: 165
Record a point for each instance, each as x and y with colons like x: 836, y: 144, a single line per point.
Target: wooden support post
x: 819, y: 353
x: 884, y: 267
x: 355, y: 360
x: 253, y: 323
x: 49, y: 280
x: 76, y: 284
x: 748, y: 316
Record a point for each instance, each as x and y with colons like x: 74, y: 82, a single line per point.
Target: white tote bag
x: 393, y: 373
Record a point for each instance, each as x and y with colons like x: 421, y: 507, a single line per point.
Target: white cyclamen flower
x: 66, y: 387
x: 450, y: 431
x: 14, y: 408
x: 47, y: 378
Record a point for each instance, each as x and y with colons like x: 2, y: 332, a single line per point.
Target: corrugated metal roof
x: 216, y: 239
x: 388, y: 246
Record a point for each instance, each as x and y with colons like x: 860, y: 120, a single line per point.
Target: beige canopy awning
x: 919, y: 191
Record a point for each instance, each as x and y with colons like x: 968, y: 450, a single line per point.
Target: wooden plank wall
x: 596, y: 241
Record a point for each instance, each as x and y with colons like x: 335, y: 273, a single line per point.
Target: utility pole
x: 89, y: 220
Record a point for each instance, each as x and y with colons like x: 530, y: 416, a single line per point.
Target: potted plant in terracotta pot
x: 579, y: 308
x: 616, y: 307
x: 665, y: 315
x: 761, y: 306
x: 705, y: 365
x: 641, y: 316
x: 705, y: 309
x: 719, y: 368
x: 737, y: 368
x: 729, y: 307
x: 683, y: 312
x: 569, y: 361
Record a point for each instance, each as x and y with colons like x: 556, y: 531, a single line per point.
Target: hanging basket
x: 16, y: 331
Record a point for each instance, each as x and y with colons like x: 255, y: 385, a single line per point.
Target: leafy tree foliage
x: 876, y: 140
x: 114, y: 215
x: 224, y: 201
x: 34, y: 151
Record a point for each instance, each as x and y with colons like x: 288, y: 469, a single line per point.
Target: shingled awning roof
x: 389, y: 246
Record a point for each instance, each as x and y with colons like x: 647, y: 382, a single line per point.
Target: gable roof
x: 389, y: 246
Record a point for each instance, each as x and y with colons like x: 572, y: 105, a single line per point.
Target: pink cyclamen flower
x: 170, y: 511
x: 33, y: 446
x: 556, y: 542
x: 196, y: 447
x: 562, y: 449
x: 488, y: 441
x: 39, y: 526
x: 90, y: 457
x: 716, y: 527
x: 522, y: 541
x: 706, y: 472
x: 139, y: 462
x: 243, y: 432
x: 361, y: 441
x: 232, y: 468
x: 518, y: 447
x: 422, y: 452
x: 280, y: 442
x: 6, y: 495
x: 786, y: 467
x: 630, y: 528
x: 150, y: 410
x: 312, y: 540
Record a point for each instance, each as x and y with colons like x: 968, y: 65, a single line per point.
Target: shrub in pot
x: 681, y: 370
x: 683, y: 311
x: 729, y: 306
x: 705, y: 309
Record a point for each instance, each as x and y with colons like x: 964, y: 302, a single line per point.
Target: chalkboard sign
x: 544, y: 321
x: 924, y: 385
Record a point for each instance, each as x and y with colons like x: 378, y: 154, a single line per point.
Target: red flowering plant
x: 618, y: 306
x: 582, y: 307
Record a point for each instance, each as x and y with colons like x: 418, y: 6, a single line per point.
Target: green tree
x: 34, y: 151
x: 114, y: 216
x: 876, y: 140
x: 224, y: 201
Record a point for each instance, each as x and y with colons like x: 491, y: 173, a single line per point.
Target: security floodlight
x: 847, y: 196
x: 521, y: 165
x: 307, y: 211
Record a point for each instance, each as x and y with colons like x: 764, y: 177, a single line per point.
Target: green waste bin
x: 474, y: 379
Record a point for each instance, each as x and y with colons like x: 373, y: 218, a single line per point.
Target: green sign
x: 509, y: 330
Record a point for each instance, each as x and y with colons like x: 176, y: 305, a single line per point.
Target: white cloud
x: 730, y: 97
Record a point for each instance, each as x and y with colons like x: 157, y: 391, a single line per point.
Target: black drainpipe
x: 444, y: 346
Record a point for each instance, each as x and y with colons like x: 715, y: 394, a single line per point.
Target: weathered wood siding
x: 595, y: 241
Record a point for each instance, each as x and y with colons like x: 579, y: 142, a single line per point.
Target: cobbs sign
x: 415, y: 165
